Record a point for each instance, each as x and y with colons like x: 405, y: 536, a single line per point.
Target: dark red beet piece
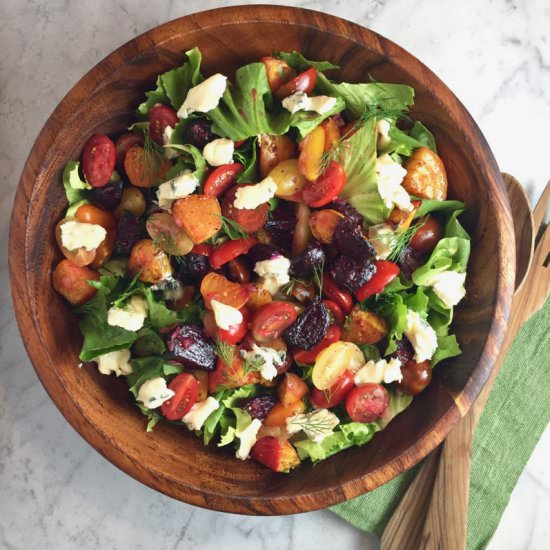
x: 192, y: 268
x: 351, y: 273
x: 128, y: 234
x: 259, y: 407
x: 199, y: 133
x: 350, y: 241
x: 108, y: 196
x: 345, y: 208
x: 190, y: 346
x: 304, y: 265
x: 310, y: 327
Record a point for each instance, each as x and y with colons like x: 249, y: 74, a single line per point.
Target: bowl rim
x: 332, y: 494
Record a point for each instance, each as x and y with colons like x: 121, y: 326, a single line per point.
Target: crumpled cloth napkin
x: 516, y: 414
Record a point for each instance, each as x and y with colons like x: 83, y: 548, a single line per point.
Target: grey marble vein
x: 59, y: 493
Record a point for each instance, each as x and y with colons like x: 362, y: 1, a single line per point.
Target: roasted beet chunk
x: 409, y: 261
x: 108, y: 196
x: 310, y: 327
x: 260, y: 252
x: 198, y: 132
x: 404, y: 351
x: 128, y: 234
x: 350, y: 213
x: 351, y: 273
x: 259, y: 407
x: 192, y: 268
x: 350, y: 241
x: 280, y: 227
x: 191, y: 347
x: 312, y: 258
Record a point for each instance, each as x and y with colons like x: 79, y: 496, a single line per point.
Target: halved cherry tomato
x: 89, y: 213
x: 304, y: 82
x: 332, y: 132
x: 230, y: 250
x: 278, y: 72
x: 186, y: 389
x: 71, y: 281
x: 251, y: 220
x: 79, y: 256
x: 221, y: 179
x: 386, y: 272
x: 325, y: 399
x: 231, y: 376
x: 235, y: 333
x: 307, y: 357
x: 335, y: 310
x: 367, y: 403
x: 311, y: 153
x: 123, y: 143
x: 326, y: 188
x: 161, y: 116
x: 271, y: 320
x: 273, y: 151
x: 333, y: 292
x: 204, y: 249
x: 98, y: 160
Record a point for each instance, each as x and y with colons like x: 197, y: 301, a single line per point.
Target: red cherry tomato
x: 307, y: 357
x: 271, y: 320
x: 386, y: 272
x: 367, y: 403
x: 332, y: 291
x: 304, y: 82
x: 98, y: 160
x: 186, y: 388
x: 221, y: 179
x: 326, y: 187
x: 335, y: 310
x: 203, y: 249
x: 235, y: 333
x: 161, y: 116
x: 325, y: 399
x: 123, y: 143
x: 230, y: 250
x: 251, y: 220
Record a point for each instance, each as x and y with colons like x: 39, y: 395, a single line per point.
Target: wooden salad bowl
x: 171, y: 459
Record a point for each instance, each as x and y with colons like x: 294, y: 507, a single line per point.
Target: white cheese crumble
x: 166, y: 136
x: 390, y: 174
x: 376, y: 372
x: 219, y: 151
x: 153, y: 393
x: 300, y: 101
x: 226, y: 316
x: 247, y: 438
x: 117, y: 362
x: 176, y: 188
x: 421, y: 335
x: 269, y: 357
x: 273, y: 273
x: 82, y: 235
x: 205, y: 96
x: 382, y: 129
x: 316, y: 425
x: 382, y: 237
x: 448, y: 286
x: 131, y: 316
x: 249, y: 197
x: 199, y: 413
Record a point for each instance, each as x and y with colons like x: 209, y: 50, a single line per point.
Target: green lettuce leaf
x: 345, y: 436
x: 247, y: 155
x: 363, y: 97
x: 76, y: 189
x: 398, y: 403
x: 172, y: 86
x: 194, y: 161
x: 358, y: 157
x: 428, y: 206
x: 153, y: 417
x: 404, y: 143
x: 99, y: 336
x: 147, y: 368
x: 148, y: 343
x: 447, y: 346
x: 423, y: 135
x: 299, y: 63
x: 394, y: 310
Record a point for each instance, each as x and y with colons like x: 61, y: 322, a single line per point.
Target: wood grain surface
x: 99, y: 408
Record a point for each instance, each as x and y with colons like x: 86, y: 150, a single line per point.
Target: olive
x: 237, y: 271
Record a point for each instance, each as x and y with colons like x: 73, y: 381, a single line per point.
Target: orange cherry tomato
x: 88, y: 213
x: 217, y: 287
x: 291, y: 389
x: 71, y: 281
x: 278, y: 72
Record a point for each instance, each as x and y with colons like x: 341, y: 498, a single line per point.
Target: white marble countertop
x: 59, y: 493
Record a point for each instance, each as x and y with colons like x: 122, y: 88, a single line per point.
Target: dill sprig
x: 225, y: 351
x: 232, y: 229
x: 253, y: 365
x: 151, y: 158
x: 315, y: 423
x: 318, y: 274
x: 403, y: 238
x: 130, y: 289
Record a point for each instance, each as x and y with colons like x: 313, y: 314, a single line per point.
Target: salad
x: 269, y: 261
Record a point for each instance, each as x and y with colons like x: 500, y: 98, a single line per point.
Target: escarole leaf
x: 172, y: 86
x: 76, y: 189
x: 357, y: 154
x: 147, y: 368
x: 247, y: 155
x: 404, y: 143
x: 299, y: 63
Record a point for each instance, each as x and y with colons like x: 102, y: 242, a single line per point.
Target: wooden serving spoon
x: 433, y: 512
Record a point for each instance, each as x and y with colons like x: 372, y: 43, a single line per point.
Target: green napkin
x: 515, y: 417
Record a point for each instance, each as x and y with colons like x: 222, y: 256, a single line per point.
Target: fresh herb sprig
x: 403, y: 238
x: 232, y: 229
x: 225, y: 351
x: 131, y: 289
x: 316, y: 424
